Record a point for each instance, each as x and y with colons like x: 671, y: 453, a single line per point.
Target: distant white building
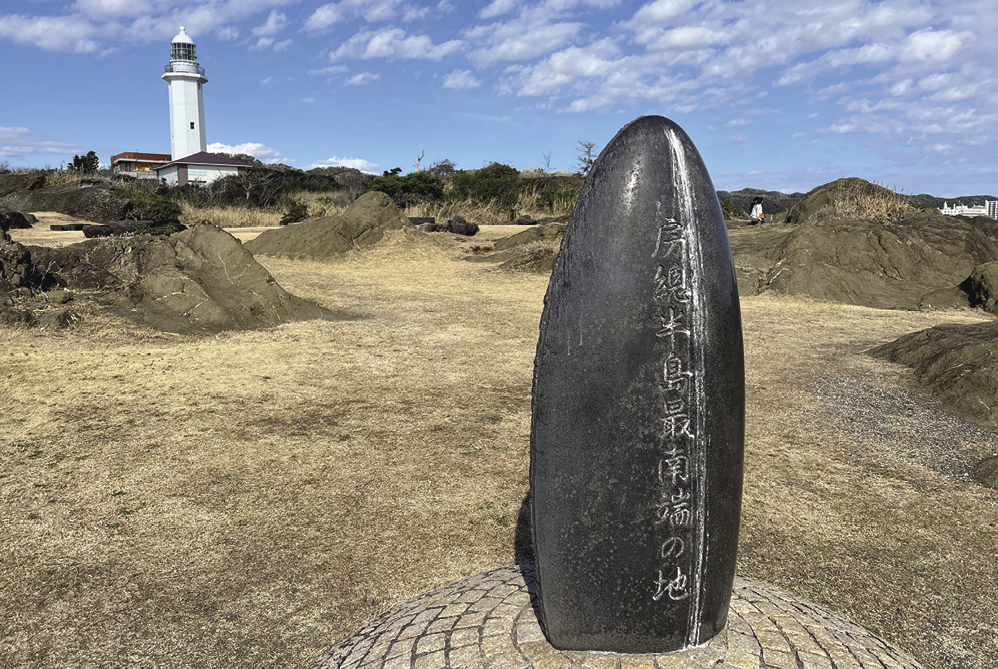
x: 200, y: 168
x: 989, y: 208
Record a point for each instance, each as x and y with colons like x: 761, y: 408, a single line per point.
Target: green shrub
x: 148, y: 206
x: 494, y: 183
x: 413, y: 188
x: 296, y: 212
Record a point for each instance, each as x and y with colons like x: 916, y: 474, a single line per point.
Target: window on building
x: 192, y: 125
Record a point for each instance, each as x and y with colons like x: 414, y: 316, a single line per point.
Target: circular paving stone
x: 489, y: 622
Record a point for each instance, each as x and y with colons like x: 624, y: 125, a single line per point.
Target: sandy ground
x: 249, y: 499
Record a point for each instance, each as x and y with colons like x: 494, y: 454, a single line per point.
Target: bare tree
x: 587, y: 156
x: 547, y: 162
x: 419, y: 159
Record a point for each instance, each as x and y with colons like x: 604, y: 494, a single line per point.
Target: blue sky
x: 777, y: 94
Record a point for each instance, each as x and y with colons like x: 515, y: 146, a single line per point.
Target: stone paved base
x: 488, y: 622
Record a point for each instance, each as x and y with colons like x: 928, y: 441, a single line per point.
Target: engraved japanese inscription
x: 638, y: 412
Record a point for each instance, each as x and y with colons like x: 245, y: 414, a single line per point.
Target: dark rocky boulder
x: 11, y: 183
x: 459, y: 226
x: 982, y: 287
x: 956, y: 362
x: 526, y: 220
x: 919, y: 262
x: 15, y: 220
x: 16, y: 268
x: 89, y: 199
x: 363, y: 224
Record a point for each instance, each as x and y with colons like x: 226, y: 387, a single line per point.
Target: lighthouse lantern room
x: 185, y: 78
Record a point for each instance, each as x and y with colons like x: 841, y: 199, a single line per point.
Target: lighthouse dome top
x: 182, y: 47
x: 182, y: 37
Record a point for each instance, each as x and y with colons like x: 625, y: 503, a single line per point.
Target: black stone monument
x: 639, y: 406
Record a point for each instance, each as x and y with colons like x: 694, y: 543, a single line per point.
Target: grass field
x: 249, y: 499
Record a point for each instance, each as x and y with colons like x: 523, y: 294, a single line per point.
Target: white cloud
x: 227, y: 34
x: 112, y: 8
x: 307, y: 101
x: 259, y: 151
x: 323, y: 17
x: 516, y: 41
x: 18, y: 142
x: 283, y: 45
x: 263, y: 43
x: 275, y: 23
x: 361, y: 79
x: 461, y: 79
x: 498, y: 8
x: 370, y: 10
x: 798, y: 135
x: 932, y: 45
x: 356, y: 163
x: 332, y: 69
x: 55, y: 33
x: 392, y: 43
x: 737, y: 138
x: 736, y: 122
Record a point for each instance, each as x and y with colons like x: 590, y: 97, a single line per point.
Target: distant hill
x: 774, y: 201
x: 927, y: 200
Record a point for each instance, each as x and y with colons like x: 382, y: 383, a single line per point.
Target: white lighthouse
x: 185, y: 78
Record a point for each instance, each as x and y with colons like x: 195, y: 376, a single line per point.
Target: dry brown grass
x: 230, y: 217
x: 248, y: 499
x: 877, y: 203
x: 528, y: 204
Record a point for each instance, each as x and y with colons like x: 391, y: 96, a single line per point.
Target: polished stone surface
x: 638, y: 408
x: 488, y: 622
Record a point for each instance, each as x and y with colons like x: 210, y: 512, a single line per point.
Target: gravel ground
x: 909, y: 424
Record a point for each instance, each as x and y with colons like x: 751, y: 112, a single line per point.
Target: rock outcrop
x: 201, y: 280
x: 957, y: 363
x: 90, y: 199
x: 363, y: 224
x: 11, y: 183
x: 919, y: 262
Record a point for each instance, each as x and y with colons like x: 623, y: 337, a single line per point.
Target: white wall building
x: 200, y: 168
x: 185, y: 78
x: 989, y: 208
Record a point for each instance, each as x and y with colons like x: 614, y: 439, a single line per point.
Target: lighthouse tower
x: 185, y: 78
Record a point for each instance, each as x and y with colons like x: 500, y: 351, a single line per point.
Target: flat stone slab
x: 489, y: 621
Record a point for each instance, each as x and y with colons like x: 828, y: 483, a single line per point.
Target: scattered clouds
x: 17, y: 143
x: 331, y: 70
x: 370, y: 10
x: 735, y: 139
x: 259, y: 151
x: 736, y: 122
x: 275, y: 23
x: 52, y: 33
x: 361, y: 79
x: 113, y: 8
x: 461, y: 79
x: 392, y: 43
x: 356, y: 163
